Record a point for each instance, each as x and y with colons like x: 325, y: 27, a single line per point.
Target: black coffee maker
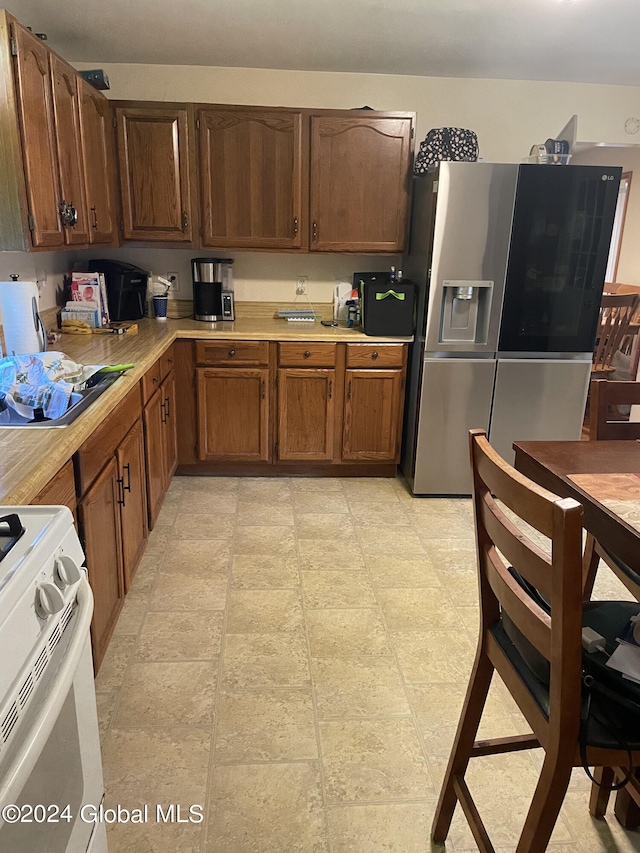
x: 126, y: 288
x: 212, y: 289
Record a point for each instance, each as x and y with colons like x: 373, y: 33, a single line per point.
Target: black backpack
x: 446, y: 143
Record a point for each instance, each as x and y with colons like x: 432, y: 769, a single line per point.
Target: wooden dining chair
x: 605, y: 424
x: 630, y: 344
x: 535, y: 649
x: 616, y: 313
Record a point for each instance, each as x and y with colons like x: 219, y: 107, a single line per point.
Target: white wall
x: 508, y: 116
x: 47, y: 268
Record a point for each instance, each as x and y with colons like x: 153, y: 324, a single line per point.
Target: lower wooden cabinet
x: 132, y: 500
x: 99, y: 516
x: 372, y: 424
x: 160, y: 440
x: 306, y: 413
x: 60, y: 490
x: 233, y: 406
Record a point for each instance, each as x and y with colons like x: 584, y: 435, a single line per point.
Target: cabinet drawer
x: 166, y: 362
x: 97, y: 450
x: 375, y: 355
x: 151, y: 382
x: 307, y: 354
x: 232, y: 352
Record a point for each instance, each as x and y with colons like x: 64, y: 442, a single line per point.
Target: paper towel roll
x: 21, y: 324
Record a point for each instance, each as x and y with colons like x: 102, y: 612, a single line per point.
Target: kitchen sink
x: 79, y: 402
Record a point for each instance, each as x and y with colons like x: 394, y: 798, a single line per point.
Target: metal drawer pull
x: 295, y: 226
x: 307, y: 354
x: 121, y: 490
x: 315, y: 230
x: 95, y: 217
x: 126, y: 488
x: 374, y: 355
x: 232, y: 352
x: 168, y: 405
x: 185, y: 221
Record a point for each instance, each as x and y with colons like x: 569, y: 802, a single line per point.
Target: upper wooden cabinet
x: 155, y: 188
x: 97, y: 156
x: 360, y: 182
x: 251, y: 177
x: 36, y: 117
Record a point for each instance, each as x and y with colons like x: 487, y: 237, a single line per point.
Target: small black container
x: 388, y: 308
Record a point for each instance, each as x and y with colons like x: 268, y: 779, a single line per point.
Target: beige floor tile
x: 371, y: 514
x: 167, y: 515
x: 451, y: 526
x: 167, y: 694
x: 146, y: 574
x: 190, y: 525
x: 470, y: 617
x: 105, y: 703
x: 111, y: 673
x: 157, y: 542
x: 300, y: 485
x: 320, y: 501
x: 431, y: 507
x: 152, y: 767
x: 262, y: 571
x: 451, y: 554
x: 597, y: 836
x: 132, y: 614
x: 201, y: 503
x: 181, y: 591
x: 388, y: 828
x: 180, y: 636
x: 337, y: 589
x: 418, y: 609
x: 197, y: 556
x: 264, y: 514
x: 266, y: 660
x: 264, y: 488
x: 267, y: 808
x: 317, y: 555
x: 262, y: 539
x: 255, y: 725
x: 208, y: 485
x: 385, y: 540
x: 433, y: 656
x: 358, y: 687
x: 318, y: 525
x: 344, y: 633
x: 462, y: 585
x: 389, y: 570
x: 373, y: 760
x: 374, y: 489
x: 264, y: 611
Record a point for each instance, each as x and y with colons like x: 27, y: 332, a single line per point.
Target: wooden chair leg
x: 470, y: 717
x: 600, y: 793
x: 590, y: 562
x: 546, y: 804
x: 626, y: 809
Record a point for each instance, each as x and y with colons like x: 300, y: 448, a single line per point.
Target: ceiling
x: 587, y: 41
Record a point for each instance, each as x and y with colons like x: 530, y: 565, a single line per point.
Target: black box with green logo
x: 388, y: 308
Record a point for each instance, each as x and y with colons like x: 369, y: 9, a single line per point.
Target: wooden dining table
x: 604, y: 476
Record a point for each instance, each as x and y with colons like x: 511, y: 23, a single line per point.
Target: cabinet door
x: 233, y: 414
x: 360, y: 181
x: 98, y: 163
x: 35, y: 111
x: 250, y: 178
x: 305, y: 413
x: 153, y: 143
x: 133, y: 507
x: 64, y: 82
x: 169, y: 430
x: 372, y: 414
x: 152, y: 417
x: 99, y: 515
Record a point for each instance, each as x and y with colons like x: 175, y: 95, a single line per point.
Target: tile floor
x: 292, y: 657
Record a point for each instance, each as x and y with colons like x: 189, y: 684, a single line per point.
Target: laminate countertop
x: 29, y: 458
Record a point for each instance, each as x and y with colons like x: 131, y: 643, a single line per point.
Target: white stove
x: 50, y: 763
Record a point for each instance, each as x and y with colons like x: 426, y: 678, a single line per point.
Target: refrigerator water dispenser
x: 465, y: 311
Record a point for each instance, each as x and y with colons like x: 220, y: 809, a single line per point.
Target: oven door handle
x: 34, y: 741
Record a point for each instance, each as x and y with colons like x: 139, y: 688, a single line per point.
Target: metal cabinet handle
x: 315, y: 230
x: 163, y: 416
x: 170, y: 360
x: 295, y: 226
x: 155, y: 380
x: 232, y: 352
x: 121, y: 491
x: 307, y: 354
x: 185, y: 220
x: 167, y: 401
x: 330, y: 388
x: 374, y: 355
x: 126, y: 488
x: 95, y: 217
x: 349, y: 391
x: 263, y: 389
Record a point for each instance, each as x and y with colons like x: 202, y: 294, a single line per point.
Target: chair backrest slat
x: 616, y: 312
x: 606, y: 393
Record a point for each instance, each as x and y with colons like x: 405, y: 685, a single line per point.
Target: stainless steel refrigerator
x: 509, y: 263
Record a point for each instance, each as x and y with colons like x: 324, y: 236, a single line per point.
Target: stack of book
x: 88, y: 303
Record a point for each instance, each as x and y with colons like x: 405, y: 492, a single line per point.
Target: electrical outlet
x: 174, y: 278
x: 301, y: 285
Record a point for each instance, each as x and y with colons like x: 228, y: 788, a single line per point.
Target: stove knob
x: 67, y: 572
x: 48, y: 600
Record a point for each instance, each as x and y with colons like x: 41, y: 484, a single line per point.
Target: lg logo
x: 608, y: 177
